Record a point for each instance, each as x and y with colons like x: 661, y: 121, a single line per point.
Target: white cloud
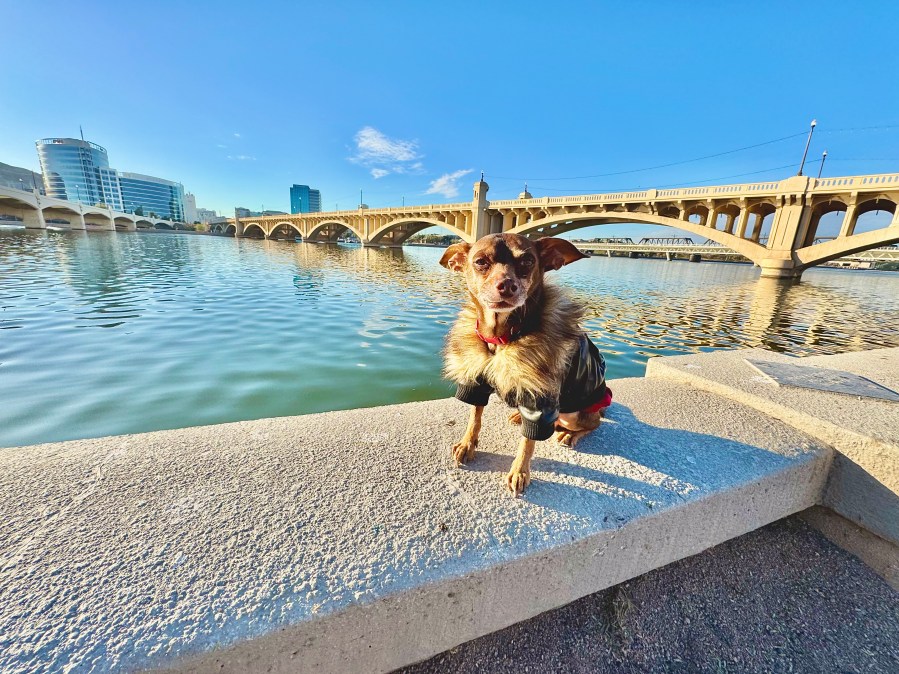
x: 385, y: 155
x: 447, y: 185
x: 220, y: 145
x: 372, y: 145
x: 241, y: 157
x: 237, y: 135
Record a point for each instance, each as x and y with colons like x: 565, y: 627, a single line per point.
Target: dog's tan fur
x: 534, y: 364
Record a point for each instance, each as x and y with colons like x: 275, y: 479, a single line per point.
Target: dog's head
x: 502, y: 270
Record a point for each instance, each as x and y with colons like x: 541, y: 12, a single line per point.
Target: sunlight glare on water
x: 108, y: 333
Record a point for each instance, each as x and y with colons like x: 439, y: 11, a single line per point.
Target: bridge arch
x: 763, y: 211
x: 819, y: 213
x: 402, y: 228
x: 864, y: 219
x: 125, y: 222
x: 316, y: 231
x: 250, y: 229
x: 841, y: 247
x: 731, y: 213
x: 287, y: 226
x: 14, y: 209
x: 566, y: 222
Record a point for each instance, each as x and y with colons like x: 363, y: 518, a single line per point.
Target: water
x: 104, y: 333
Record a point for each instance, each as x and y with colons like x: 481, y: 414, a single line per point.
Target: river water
x: 108, y: 333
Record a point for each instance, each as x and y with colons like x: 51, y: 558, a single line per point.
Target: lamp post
x: 807, y: 143
x: 821, y: 167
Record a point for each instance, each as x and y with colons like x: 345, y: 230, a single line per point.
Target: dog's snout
x: 507, y: 287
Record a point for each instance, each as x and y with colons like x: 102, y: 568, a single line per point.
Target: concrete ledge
x: 878, y: 553
x: 864, y: 484
x: 346, y: 541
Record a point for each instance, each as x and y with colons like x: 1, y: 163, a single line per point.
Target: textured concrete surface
x: 864, y: 484
x: 780, y: 599
x: 347, y: 542
x: 878, y: 553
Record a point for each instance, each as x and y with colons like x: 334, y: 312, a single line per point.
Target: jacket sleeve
x: 538, y: 420
x: 477, y: 393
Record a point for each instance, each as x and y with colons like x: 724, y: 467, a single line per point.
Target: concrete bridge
x: 34, y: 210
x: 788, y: 212
x: 710, y: 249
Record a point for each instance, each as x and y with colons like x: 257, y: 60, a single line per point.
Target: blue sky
x: 411, y: 100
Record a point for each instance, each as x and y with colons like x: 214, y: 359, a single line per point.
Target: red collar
x: 495, y: 340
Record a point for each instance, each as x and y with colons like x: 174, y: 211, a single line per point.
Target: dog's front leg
x: 463, y: 451
x: 519, y: 476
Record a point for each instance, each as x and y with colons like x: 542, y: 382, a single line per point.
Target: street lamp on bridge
x: 821, y: 167
x: 807, y: 143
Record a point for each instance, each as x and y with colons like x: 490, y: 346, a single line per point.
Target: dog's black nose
x: 507, y: 287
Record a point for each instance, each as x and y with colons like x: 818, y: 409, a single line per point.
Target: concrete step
x: 347, y: 542
x: 864, y: 484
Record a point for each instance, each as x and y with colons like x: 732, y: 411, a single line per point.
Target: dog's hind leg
x: 570, y: 428
x: 463, y: 451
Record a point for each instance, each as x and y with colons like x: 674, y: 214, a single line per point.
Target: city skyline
x: 578, y: 109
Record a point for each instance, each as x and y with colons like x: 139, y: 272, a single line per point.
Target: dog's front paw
x: 463, y: 451
x: 515, y: 418
x: 517, y: 481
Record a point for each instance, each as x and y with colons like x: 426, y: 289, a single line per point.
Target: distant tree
x: 139, y: 210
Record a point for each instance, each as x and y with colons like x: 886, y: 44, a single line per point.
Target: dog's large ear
x: 455, y: 256
x: 556, y: 253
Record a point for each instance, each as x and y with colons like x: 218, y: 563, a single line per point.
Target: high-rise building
x: 149, y: 195
x: 190, y: 208
x: 304, y: 199
x: 78, y: 170
x: 204, y: 215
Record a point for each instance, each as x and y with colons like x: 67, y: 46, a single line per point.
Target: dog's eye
x: 481, y: 263
x: 526, y: 261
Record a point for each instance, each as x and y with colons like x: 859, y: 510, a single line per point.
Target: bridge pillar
x: 77, y: 222
x: 742, y: 222
x: 848, y: 225
x: 34, y: 219
x: 790, y: 215
x: 729, y: 223
x: 781, y: 267
x: 480, y: 222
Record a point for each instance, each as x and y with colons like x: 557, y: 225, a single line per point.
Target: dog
x: 521, y: 338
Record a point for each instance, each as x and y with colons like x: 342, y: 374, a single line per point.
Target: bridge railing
x: 391, y: 210
x: 864, y: 183
x: 663, y: 194
x: 860, y: 182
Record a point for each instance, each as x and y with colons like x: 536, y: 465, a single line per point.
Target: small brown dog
x: 522, y: 339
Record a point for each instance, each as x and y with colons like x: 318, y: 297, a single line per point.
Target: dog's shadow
x: 632, y: 464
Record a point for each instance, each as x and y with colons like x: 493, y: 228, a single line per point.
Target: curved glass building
x: 78, y: 170
x: 151, y: 196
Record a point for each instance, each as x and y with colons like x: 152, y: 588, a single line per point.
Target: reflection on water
x: 113, y: 333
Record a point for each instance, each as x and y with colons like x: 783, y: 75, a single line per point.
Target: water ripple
x: 200, y: 330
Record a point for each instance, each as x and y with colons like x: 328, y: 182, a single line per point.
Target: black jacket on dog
x: 584, y: 388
